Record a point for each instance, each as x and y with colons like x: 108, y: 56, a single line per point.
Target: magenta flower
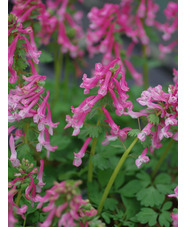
x: 11, y: 50
x: 31, y: 52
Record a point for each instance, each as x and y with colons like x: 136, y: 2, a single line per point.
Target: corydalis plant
x: 65, y: 206
x: 111, y: 83
x: 25, y: 99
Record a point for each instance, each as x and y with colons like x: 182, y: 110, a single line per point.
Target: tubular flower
x: 142, y: 158
x: 78, y: 156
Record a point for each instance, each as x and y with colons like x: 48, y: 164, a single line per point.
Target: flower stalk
x: 114, y: 175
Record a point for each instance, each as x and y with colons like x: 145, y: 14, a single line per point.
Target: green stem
x: 145, y: 68
x: 114, y: 175
x: 24, y: 223
x: 18, y: 197
x: 58, y: 67
x: 164, y: 155
x: 90, y: 165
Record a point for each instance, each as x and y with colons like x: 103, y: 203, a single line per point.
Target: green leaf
x: 132, y: 206
x: 110, y: 204
x: 152, y: 63
x: 165, y: 219
x: 144, y: 178
x: 147, y: 215
x: 151, y: 33
x: 119, y: 180
x: 45, y: 57
x: 138, y: 60
x: 167, y: 205
x: 131, y: 188
x: 100, y: 162
x: 163, y: 183
x: 92, y: 113
x: 150, y: 197
x: 153, y: 119
x: 91, y: 131
x: 20, y: 64
x: 93, y: 192
x: 104, y: 176
x: 162, y: 178
x: 106, y: 217
x: 133, y: 132
x: 164, y: 189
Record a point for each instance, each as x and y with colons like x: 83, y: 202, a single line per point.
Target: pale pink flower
x: 175, y: 193
x: 13, y: 158
x: 78, y: 156
x: 142, y: 158
x: 175, y: 219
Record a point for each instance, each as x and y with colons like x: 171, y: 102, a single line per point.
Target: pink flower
x: 142, y: 158
x: 40, y: 177
x: 78, y: 156
x: 11, y: 50
x: 146, y: 131
x: 175, y: 193
x: 175, y: 219
x: 167, y: 49
x: 30, y: 52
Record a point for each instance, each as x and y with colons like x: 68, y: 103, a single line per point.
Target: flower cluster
x: 66, y: 203
x: 51, y: 17
x: 18, y: 35
x: 164, y: 107
x: 29, y: 178
x: 105, y: 23
x: 26, y: 100
x: 110, y: 80
x: 26, y: 10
